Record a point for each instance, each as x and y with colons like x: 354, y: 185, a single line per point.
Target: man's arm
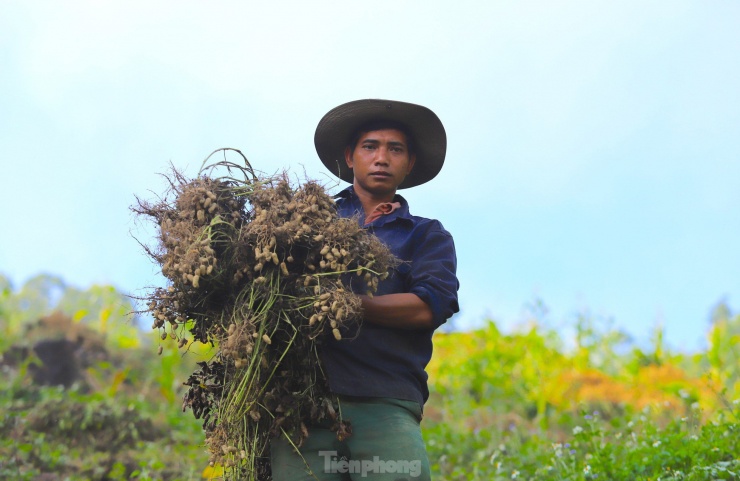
x: 403, y: 311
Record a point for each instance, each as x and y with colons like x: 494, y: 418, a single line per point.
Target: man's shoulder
x: 346, y: 202
x: 428, y: 225
x: 420, y: 222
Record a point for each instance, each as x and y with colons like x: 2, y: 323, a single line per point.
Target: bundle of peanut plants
x: 264, y: 270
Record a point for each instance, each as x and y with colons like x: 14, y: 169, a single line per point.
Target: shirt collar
x: 401, y: 213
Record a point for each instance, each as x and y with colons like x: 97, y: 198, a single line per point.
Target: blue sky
x: 593, y: 151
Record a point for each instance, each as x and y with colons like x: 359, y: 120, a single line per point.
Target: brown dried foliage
x: 258, y: 267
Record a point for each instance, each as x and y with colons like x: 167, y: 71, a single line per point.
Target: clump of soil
x: 264, y: 270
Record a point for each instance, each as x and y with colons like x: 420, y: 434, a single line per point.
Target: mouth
x: 380, y: 174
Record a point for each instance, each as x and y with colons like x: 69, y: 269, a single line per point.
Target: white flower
x: 577, y: 430
x: 558, y: 448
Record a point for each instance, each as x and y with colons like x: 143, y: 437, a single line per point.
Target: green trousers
x: 385, y: 445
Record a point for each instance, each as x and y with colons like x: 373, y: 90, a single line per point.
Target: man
x: 381, y: 146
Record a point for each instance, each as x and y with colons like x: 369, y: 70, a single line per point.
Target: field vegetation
x: 84, y: 396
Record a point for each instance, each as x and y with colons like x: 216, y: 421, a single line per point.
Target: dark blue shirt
x: 389, y: 362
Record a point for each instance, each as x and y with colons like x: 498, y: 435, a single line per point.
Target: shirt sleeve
x: 433, y: 272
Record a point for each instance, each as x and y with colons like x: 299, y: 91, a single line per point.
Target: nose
x: 381, y: 156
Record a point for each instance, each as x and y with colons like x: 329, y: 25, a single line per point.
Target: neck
x: 370, y: 201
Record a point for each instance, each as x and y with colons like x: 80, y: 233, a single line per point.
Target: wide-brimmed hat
x: 334, y: 132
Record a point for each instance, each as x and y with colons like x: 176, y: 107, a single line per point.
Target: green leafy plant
x: 503, y: 406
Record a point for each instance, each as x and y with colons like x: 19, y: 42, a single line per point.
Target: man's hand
x: 403, y: 311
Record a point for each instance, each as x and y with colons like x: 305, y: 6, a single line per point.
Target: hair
x: 382, y: 124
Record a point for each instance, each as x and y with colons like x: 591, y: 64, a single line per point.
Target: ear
x: 412, y: 161
x: 348, y: 157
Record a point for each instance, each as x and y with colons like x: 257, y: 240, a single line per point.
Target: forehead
x: 386, y: 135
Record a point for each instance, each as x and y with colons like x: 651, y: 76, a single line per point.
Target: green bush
x: 501, y: 405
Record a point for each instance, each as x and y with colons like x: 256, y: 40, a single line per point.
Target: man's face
x: 380, y: 161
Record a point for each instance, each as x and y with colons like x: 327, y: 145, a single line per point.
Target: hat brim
x: 334, y: 131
